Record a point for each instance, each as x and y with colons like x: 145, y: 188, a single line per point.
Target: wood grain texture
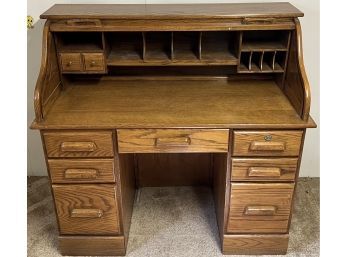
x: 173, y: 11
x: 48, y: 85
x: 172, y: 141
x: 127, y: 186
x: 296, y: 85
x: 255, y: 244
x: 173, y: 169
x: 249, y: 195
x: 92, y: 245
x: 267, y: 143
x: 101, y: 141
x: 82, y: 170
x: 173, y: 103
x: 263, y: 169
x: 93, y: 197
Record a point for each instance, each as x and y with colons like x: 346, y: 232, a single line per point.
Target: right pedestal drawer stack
x: 263, y: 173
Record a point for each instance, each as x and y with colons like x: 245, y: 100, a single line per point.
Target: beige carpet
x: 171, y: 222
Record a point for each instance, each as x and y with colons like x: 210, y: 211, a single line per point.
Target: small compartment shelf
x: 269, y: 40
x: 125, y: 48
x: 158, y: 47
x: 79, y: 42
x: 186, y: 47
x: 219, y: 48
x: 262, y: 62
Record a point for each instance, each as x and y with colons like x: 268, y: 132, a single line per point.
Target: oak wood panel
x: 263, y: 169
x: 260, y: 198
x: 95, y: 205
x: 255, y: 244
x: 79, y: 144
x: 296, y: 85
x: 158, y: 11
x: 172, y: 140
x: 48, y: 85
x: 267, y: 143
x: 214, y: 24
x: 173, y: 169
x: 173, y: 103
x: 82, y: 170
x: 92, y: 245
x: 127, y: 182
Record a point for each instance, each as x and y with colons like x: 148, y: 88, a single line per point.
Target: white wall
x: 310, y: 28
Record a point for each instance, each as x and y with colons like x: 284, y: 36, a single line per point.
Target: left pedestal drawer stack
x: 83, y: 171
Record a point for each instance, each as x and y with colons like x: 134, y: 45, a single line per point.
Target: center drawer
x: 172, y: 140
x: 260, y: 208
x: 87, y: 209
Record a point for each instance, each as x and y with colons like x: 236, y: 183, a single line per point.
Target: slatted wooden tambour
x: 214, y: 94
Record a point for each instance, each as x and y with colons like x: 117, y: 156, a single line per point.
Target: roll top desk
x: 168, y: 95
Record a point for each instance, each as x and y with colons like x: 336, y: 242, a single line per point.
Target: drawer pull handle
x: 80, y: 173
x: 86, y: 213
x: 69, y: 63
x: 267, y: 146
x: 84, y: 22
x: 258, y: 20
x: 260, y: 210
x: 173, y: 141
x: 264, y: 172
x: 78, y: 147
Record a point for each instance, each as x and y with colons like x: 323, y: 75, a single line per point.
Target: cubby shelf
x: 263, y: 46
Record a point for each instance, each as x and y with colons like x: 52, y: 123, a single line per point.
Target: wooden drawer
x: 260, y: 208
x: 172, y: 140
x: 81, y: 170
x: 79, y: 144
x: 71, y: 62
x: 267, y: 143
x: 262, y: 169
x: 87, y: 209
x: 94, y: 62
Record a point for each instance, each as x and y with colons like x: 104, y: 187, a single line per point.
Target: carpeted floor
x: 173, y: 222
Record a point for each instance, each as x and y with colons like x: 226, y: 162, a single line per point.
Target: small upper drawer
x: 267, y: 143
x: 87, y: 209
x: 94, y: 62
x: 81, y: 170
x: 260, y: 208
x: 262, y: 169
x: 79, y: 144
x: 172, y: 140
x: 71, y: 62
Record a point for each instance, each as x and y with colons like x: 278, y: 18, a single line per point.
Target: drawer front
x: 79, y: 144
x: 71, y: 62
x: 87, y: 209
x: 81, y: 170
x: 94, y: 62
x: 172, y: 140
x: 260, y: 208
x: 263, y: 169
x: 267, y: 143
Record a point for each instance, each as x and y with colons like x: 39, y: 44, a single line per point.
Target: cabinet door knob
x: 69, y: 63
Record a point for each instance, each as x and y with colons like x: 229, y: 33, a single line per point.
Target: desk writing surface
x: 170, y: 103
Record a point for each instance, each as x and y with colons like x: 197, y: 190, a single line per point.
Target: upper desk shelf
x: 205, y: 43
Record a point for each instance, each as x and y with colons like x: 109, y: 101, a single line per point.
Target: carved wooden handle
x: 173, y: 141
x: 247, y: 20
x: 80, y: 174
x: 84, y: 22
x: 260, y: 210
x: 264, y: 172
x: 267, y: 146
x: 86, y: 213
x: 78, y: 147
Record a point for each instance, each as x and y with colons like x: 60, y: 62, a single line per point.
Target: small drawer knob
x: 92, y: 63
x: 268, y: 137
x: 69, y: 63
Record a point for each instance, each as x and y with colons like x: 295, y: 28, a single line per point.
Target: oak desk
x: 167, y: 95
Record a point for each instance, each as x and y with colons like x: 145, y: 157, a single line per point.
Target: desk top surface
x: 166, y: 103
x: 172, y: 11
